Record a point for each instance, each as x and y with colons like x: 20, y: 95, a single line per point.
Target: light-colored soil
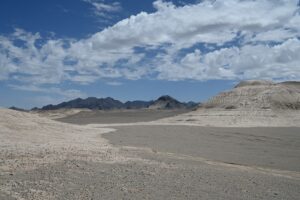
x: 249, y: 104
x: 217, y: 117
x: 45, y: 159
x: 258, y: 95
x: 59, y: 113
x: 29, y: 142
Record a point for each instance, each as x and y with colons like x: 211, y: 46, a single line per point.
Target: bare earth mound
x: 258, y: 95
x: 250, y: 103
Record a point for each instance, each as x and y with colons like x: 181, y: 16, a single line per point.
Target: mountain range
x: 247, y: 95
x: 163, y: 102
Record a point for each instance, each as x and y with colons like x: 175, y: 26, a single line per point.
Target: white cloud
x: 240, y: 36
x: 30, y: 63
x: 248, y: 62
x: 207, y: 22
x: 101, y: 8
x: 163, y: 5
x: 276, y: 35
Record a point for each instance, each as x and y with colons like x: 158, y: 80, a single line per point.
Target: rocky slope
x: 248, y: 104
x: 257, y: 95
x: 167, y: 102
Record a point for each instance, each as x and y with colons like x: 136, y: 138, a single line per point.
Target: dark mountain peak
x: 109, y: 98
x: 167, y: 102
x: 166, y: 98
x: 77, y: 99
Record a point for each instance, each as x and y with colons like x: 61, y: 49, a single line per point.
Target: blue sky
x: 57, y: 50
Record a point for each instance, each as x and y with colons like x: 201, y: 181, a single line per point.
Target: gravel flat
x: 119, y: 116
x: 73, y: 179
x: 42, y: 159
x: 277, y: 148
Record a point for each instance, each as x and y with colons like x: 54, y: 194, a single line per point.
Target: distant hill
x: 252, y: 103
x: 163, y: 102
x: 90, y: 103
x: 167, y: 102
x: 256, y: 95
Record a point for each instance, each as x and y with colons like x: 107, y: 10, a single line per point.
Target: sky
x: 57, y: 50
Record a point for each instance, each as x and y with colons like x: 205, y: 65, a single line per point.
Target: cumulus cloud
x: 208, y: 22
x: 232, y: 39
x: 247, y: 62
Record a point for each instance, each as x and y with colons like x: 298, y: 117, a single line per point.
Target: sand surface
x: 119, y: 116
x: 276, y: 148
x: 216, y: 117
x: 45, y: 159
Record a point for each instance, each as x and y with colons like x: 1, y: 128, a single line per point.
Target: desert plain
x: 214, y: 152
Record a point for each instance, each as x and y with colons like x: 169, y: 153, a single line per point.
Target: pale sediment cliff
x: 250, y: 103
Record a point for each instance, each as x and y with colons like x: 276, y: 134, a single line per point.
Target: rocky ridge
x: 93, y: 103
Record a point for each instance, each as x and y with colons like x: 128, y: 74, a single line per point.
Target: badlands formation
x: 249, y: 104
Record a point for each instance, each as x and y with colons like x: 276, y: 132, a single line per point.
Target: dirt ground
x: 119, y: 116
x: 274, y: 148
x: 45, y: 159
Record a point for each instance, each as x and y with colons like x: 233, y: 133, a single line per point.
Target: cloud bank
x: 232, y: 39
